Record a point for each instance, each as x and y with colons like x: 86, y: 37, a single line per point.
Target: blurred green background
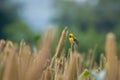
x: 89, y: 20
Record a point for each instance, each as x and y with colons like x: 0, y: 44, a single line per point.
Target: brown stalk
x: 119, y: 72
x: 39, y: 64
x: 60, y: 46
x: 59, y: 67
x: 24, y: 59
x: 11, y: 68
x: 61, y: 42
x: 92, y: 61
x: 111, y: 56
x: 2, y: 45
x: 47, y: 74
x: 73, y: 68
x: 102, y: 62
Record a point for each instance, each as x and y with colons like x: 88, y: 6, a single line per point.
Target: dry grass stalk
x: 111, y: 56
x: 79, y: 65
x: 2, y: 45
x: 119, y: 72
x: 73, y: 68
x: 9, y: 45
x: 71, y: 72
x: 88, y: 57
x: 24, y: 59
x: 11, y: 68
x: 39, y: 64
x: 2, y: 58
x: 47, y: 74
x: 60, y: 46
x: 2, y: 64
x: 59, y: 77
x: 59, y: 67
x: 92, y: 61
x: 102, y: 62
x: 61, y: 42
x: 1, y: 70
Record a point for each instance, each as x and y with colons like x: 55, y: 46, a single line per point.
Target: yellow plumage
x: 71, y: 39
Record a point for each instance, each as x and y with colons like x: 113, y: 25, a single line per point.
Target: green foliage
x: 20, y: 30
x: 89, y: 21
x: 85, y: 74
x: 101, y: 15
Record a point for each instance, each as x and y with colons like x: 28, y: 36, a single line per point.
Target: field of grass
x: 21, y: 63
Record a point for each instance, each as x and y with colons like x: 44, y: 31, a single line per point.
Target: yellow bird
x: 72, y: 39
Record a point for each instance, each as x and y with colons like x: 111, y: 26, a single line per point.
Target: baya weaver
x: 72, y: 39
